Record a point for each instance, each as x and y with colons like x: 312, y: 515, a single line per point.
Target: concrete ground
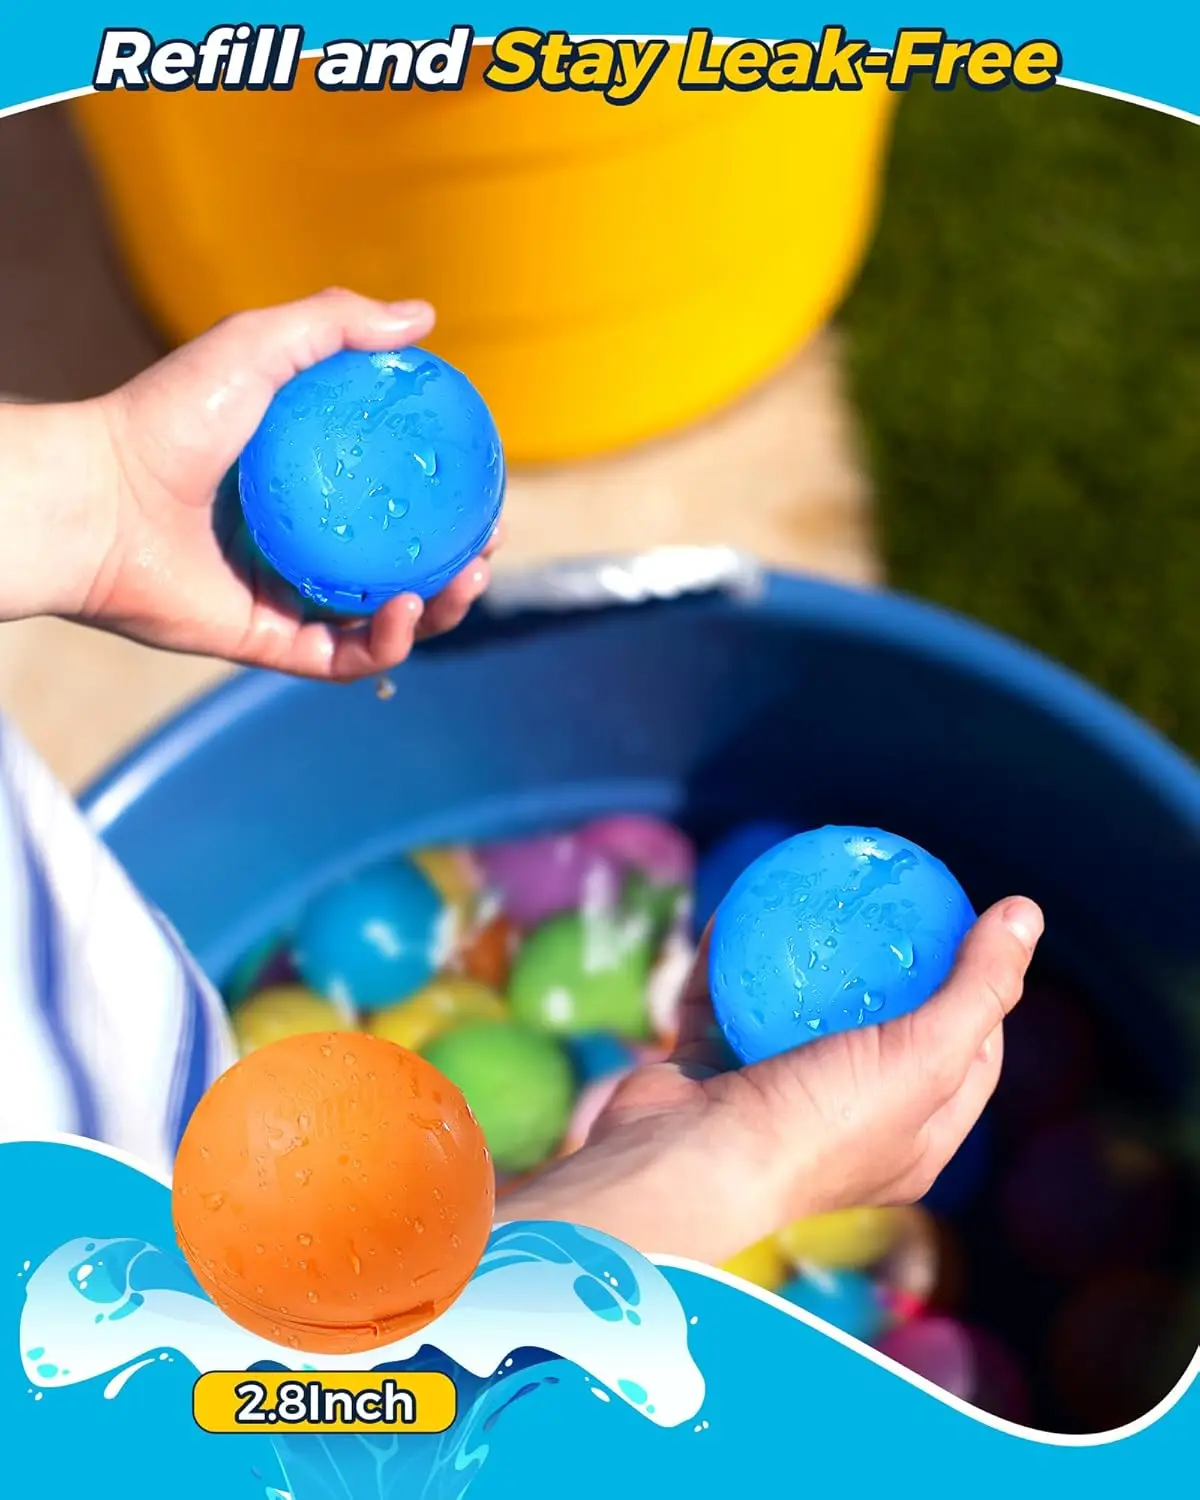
x: 776, y: 475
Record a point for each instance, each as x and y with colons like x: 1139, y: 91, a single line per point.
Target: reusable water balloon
x: 488, y: 953
x: 373, y: 475
x: 965, y: 1361
x: 453, y: 874
x: 447, y: 1000
x: 579, y: 973
x: 596, y: 1054
x: 832, y: 929
x: 923, y: 1268
x: 281, y: 1011
x: 658, y: 849
x: 518, y: 1083
x: 539, y: 878
x: 375, y: 938
x: 849, y: 1239
x: 846, y: 1299
x: 333, y: 1193
x: 721, y: 864
x: 763, y: 1264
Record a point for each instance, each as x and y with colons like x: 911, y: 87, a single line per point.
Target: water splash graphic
x: 548, y: 1304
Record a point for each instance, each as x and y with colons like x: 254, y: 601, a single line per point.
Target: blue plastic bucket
x: 805, y: 701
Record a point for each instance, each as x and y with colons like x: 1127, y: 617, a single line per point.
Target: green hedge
x: 1024, y: 351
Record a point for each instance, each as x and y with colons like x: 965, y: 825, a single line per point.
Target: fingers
x: 700, y: 1047
x: 496, y: 540
x: 949, y: 1126
x: 452, y: 604
x: 279, y: 342
x: 185, y: 420
x: 450, y: 607
x: 281, y: 642
x: 986, y: 984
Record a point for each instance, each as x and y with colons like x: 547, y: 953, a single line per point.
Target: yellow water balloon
x: 444, y: 1002
x: 281, y: 1011
x: 762, y: 1265
x: 453, y: 874
x: 849, y: 1240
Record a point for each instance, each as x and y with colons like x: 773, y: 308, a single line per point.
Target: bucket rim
x: 927, y: 630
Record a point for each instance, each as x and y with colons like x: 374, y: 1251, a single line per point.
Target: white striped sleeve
x: 108, y: 1028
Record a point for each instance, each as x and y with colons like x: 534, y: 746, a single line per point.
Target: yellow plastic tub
x: 603, y: 273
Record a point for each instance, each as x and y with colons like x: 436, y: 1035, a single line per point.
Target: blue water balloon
x: 375, y: 938
x: 847, y: 1300
x: 832, y: 929
x: 373, y: 475
x: 597, y: 1054
x: 721, y: 864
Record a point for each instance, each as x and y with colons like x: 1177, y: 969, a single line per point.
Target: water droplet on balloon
x: 427, y: 460
x: 414, y: 548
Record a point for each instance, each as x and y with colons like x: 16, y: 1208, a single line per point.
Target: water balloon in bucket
x: 376, y: 938
x: 373, y: 475
x: 833, y: 929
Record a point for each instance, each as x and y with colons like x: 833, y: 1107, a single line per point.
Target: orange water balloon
x: 333, y: 1192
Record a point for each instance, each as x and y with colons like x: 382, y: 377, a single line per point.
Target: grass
x: 1024, y: 351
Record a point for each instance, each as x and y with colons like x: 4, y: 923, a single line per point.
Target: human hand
x: 152, y: 549
x: 693, y: 1159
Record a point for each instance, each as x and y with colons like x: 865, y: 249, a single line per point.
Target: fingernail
x: 1024, y: 920
x: 477, y: 579
x: 415, y: 606
x: 405, y: 314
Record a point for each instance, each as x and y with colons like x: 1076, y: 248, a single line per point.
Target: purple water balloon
x: 537, y: 878
x: 638, y: 842
x: 939, y: 1349
x: 965, y: 1362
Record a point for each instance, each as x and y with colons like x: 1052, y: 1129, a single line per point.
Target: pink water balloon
x: 538, y: 878
x: 637, y: 842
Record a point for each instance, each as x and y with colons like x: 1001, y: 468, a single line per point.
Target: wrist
x: 60, y: 499
x: 687, y: 1199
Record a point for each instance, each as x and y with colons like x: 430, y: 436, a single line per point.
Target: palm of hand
x: 695, y: 1158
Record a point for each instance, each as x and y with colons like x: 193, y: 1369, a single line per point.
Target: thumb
x: 189, y: 416
x: 984, y: 987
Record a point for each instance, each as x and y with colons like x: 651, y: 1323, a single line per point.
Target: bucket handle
x: 586, y: 583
